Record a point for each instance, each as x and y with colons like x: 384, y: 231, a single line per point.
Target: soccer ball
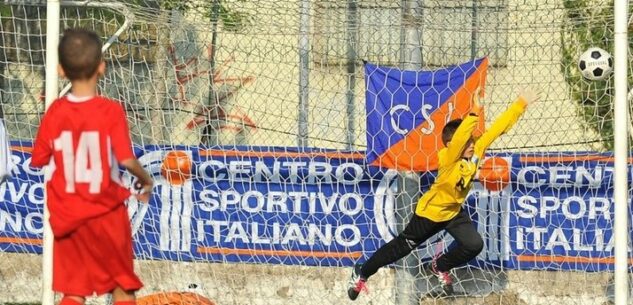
x: 595, y: 64
x: 494, y: 173
x: 176, y: 167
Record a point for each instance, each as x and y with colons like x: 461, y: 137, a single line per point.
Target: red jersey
x: 83, y: 139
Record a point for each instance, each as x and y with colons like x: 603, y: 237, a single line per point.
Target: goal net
x: 258, y: 119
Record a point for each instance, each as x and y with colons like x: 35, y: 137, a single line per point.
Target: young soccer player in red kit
x: 84, y: 137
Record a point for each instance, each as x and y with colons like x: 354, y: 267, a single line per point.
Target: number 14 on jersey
x: 77, y: 169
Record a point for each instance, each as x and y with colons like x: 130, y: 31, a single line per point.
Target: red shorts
x: 97, y: 257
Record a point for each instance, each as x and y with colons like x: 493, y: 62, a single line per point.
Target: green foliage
x: 216, y: 10
x: 231, y: 20
x: 5, y: 10
x: 180, y: 5
x: 588, y: 25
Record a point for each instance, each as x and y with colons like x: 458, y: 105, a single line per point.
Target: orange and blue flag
x: 407, y: 110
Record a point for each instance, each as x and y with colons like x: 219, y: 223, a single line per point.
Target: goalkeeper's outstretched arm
x: 505, y: 121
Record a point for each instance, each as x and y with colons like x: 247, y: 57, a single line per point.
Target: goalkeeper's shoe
x: 444, y: 278
x: 356, y: 283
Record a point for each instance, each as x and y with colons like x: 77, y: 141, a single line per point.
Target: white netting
x: 241, y: 89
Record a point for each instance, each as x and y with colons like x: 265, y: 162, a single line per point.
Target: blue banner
x: 561, y: 212
x: 266, y: 205
x: 327, y: 208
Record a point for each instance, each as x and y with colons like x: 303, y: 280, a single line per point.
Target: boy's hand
x: 145, y: 191
x: 476, y: 109
x: 144, y: 183
x: 529, y: 96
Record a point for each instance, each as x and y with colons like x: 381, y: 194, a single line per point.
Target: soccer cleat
x: 444, y: 278
x: 356, y: 283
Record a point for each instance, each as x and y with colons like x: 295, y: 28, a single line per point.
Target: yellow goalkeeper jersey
x: 443, y: 200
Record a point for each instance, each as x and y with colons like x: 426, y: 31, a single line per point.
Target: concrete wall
x: 20, y: 282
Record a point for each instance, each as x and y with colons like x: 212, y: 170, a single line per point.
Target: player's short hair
x: 449, y: 130
x: 80, y: 53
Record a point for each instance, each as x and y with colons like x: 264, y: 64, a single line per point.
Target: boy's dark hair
x: 79, y: 53
x: 449, y: 130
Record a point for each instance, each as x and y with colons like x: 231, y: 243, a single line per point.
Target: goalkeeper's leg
x: 468, y: 245
x: 417, y: 231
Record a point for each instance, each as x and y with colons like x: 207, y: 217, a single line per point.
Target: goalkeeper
x: 441, y: 207
x: 84, y: 137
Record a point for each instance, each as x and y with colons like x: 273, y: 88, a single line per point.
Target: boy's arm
x: 122, y: 146
x: 43, y: 145
x: 462, y: 135
x: 120, y: 136
x: 144, y: 182
x: 504, y: 122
